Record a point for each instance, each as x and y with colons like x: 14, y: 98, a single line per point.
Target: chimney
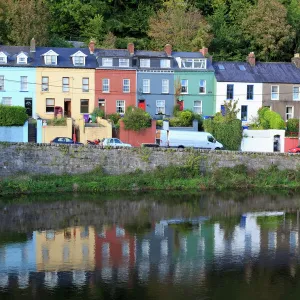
x: 130, y: 48
x: 92, y: 47
x: 204, y: 51
x: 296, y: 60
x: 32, y: 45
x: 168, y: 49
x: 251, y: 59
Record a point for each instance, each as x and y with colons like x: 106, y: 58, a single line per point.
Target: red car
x: 295, y: 150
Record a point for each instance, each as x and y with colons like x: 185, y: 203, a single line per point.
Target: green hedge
x: 12, y: 115
x: 136, y: 119
x: 292, y: 127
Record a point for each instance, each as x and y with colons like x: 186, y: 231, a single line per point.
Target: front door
x: 142, y: 104
x: 101, y: 104
x: 67, y: 108
x: 28, y: 106
x: 180, y: 103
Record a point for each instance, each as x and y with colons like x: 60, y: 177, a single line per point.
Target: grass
x: 170, y: 178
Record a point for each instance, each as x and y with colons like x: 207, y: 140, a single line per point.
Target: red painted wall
x: 290, y: 143
x: 136, y: 138
x: 116, y: 88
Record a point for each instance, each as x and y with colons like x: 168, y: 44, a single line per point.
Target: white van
x: 182, y: 139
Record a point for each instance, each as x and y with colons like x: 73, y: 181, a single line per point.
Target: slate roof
x: 145, y: 53
x: 12, y: 52
x: 261, y: 73
x: 111, y: 53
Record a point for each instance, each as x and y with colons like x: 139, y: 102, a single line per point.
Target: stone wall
x: 58, y: 159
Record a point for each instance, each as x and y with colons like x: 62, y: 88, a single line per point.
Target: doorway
x: 101, y: 104
x: 142, y: 104
x: 28, y: 106
x: 67, y: 108
x: 276, y: 147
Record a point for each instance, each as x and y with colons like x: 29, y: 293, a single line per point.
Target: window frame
x: 124, y: 62
x: 165, y: 64
x: 50, y: 106
x: 126, y: 87
x: 272, y: 93
x: 120, y: 106
x: 105, y: 61
x: 193, y: 61
x: 50, y: 60
x: 204, y: 86
x: 3, y: 59
x: 66, y: 86
x: 165, y: 86
x: 160, y: 109
x: 291, y: 113
x: 146, y: 91
x: 2, y: 83
x: 184, y: 86
x: 243, y: 112
x: 45, y: 84
x: 10, y: 101
x: 228, y: 92
x: 24, y: 83
x: 145, y: 63
x: 250, y: 94
x: 79, y: 60
x: 22, y: 60
x: 84, y: 106
x: 84, y: 85
x: 197, y: 106
x: 104, y: 90
x: 298, y: 98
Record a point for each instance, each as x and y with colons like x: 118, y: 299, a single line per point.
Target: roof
x: 13, y: 51
x: 277, y: 72
x: 112, y: 53
x: 146, y: 53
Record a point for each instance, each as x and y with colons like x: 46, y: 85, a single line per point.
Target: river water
x: 150, y: 246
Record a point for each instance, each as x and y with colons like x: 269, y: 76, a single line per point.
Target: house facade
x: 17, y: 78
x: 194, y: 82
x: 115, y: 81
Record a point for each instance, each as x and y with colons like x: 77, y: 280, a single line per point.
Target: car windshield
x: 69, y: 140
x: 117, y: 141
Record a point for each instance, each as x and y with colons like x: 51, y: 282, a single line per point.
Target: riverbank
x: 169, y: 178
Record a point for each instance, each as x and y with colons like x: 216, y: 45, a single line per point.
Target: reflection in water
x: 235, y: 257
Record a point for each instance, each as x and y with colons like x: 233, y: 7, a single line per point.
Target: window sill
x: 184, y: 93
x: 23, y: 91
x: 85, y: 91
x: 105, y: 92
x: 274, y: 99
x: 165, y: 93
x: 146, y: 93
x: 126, y: 92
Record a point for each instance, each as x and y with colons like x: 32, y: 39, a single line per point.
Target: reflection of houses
x: 68, y: 249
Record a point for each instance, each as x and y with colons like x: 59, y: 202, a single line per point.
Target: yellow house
x: 65, y: 82
x: 65, y: 250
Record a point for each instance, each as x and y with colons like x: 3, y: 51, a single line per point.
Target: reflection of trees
x: 228, y: 224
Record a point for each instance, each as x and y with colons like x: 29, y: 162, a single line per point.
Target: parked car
x: 64, y: 140
x: 295, y: 150
x: 113, y: 142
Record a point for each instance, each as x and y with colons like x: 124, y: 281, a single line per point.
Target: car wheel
x: 180, y: 147
x: 217, y: 149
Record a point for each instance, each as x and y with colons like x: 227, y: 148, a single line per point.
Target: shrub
x: 12, y: 115
x: 136, y: 119
x: 57, y: 122
x: 114, y: 118
x: 292, y: 126
x: 97, y: 112
x: 268, y: 119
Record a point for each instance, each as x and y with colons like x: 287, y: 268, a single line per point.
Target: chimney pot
x: 251, y: 59
x: 92, y: 46
x: 204, y: 51
x: 296, y: 60
x: 32, y: 45
x: 168, y: 49
x: 130, y: 48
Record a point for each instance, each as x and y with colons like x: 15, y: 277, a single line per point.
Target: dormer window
x: 3, y: 58
x: 22, y: 58
x: 193, y: 63
x: 78, y: 58
x: 165, y: 63
x: 107, y: 62
x: 123, y: 62
x: 50, y: 58
x: 145, y: 63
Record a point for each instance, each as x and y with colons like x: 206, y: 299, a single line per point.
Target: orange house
x: 115, y: 90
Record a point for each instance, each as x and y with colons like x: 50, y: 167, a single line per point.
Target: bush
x: 268, y: 119
x: 114, y: 118
x: 136, y: 119
x: 97, y: 112
x: 292, y: 126
x: 57, y: 122
x: 12, y: 115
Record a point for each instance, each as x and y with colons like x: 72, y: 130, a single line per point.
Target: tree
x: 180, y: 25
x: 293, y: 17
x: 136, y: 119
x: 267, y: 30
x: 94, y: 29
x: 109, y: 41
x: 231, y: 110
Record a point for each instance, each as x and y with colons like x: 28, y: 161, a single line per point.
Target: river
x: 165, y: 246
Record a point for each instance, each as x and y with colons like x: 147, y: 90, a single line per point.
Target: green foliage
x: 57, y: 41
x: 115, y: 118
x: 12, y: 115
x: 292, y: 126
x: 136, y: 119
x: 97, y: 112
x: 268, y: 119
x: 57, y: 122
x: 184, y: 118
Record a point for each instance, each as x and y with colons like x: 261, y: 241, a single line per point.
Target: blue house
x: 155, y: 81
x: 18, y: 77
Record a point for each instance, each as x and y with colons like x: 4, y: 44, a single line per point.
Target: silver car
x: 114, y: 142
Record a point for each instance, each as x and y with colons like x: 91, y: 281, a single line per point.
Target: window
x: 202, y: 86
x: 160, y: 107
x: 3, y: 59
x: 242, y: 68
x: 65, y: 84
x: 184, y: 86
x: 120, y: 105
x: 165, y: 63
x: 50, y: 59
x: 79, y: 60
x: 223, y: 110
x: 289, y: 112
x: 198, y: 107
x: 221, y: 67
x: 45, y: 84
x: 7, y: 101
x: 107, y: 62
x: 295, y: 93
x: 84, y: 106
x: 165, y: 86
x: 146, y: 86
x: 1, y: 83
x: 123, y: 62
x: 244, y: 112
x: 274, y: 92
x: 145, y: 63
x: 85, y: 84
x: 105, y: 85
x: 126, y: 85
x: 22, y: 60
x: 194, y: 63
x: 250, y: 92
x: 50, y: 103
x: 24, y: 85
x: 229, y: 91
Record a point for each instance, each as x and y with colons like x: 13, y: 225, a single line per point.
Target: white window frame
x: 197, y: 108
x: 24, y: 83
x: 190, y: 63
x: 3, y: 58
x: 120, y: 106
x: 160, y: 107
x: 275, y: 93
x: 144, y: 63
x: 296, y: 98
x: 107, y: 62
x: 202, y: 86
x: 289, y: 115
x: 85, y: 84
x: 45, y: 85
x: 22, y: 60
x: 50, y: 106
x: 7, y: 101
x: 105, y: 85
x: 50, y: 60
x: 146, y: 86
x: 65, y: 84
x: 1, y: 82
x: 126, y: 85
x: 79, y: 60
x: 165, y: 63
x: 165, y: 86
x: 124, y: 62
x: 186, y: 86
